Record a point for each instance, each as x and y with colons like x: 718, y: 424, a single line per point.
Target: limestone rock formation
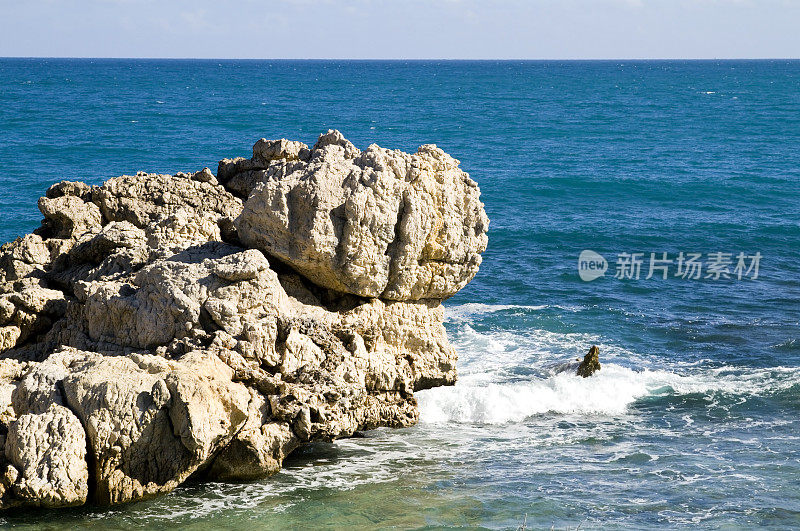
x: 159, y: 327
x: 377, y: 223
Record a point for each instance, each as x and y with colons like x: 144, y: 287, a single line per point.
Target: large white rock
x: 145, y: 337
x: 377, y: 223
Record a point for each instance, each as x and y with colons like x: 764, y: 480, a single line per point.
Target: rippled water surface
x: 693, y: 419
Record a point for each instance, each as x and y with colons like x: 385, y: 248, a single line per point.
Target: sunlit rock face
x: 159, y: 327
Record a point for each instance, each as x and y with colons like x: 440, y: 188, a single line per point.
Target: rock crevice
x: 159, y: 327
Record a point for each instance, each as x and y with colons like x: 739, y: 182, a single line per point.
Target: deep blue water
x: 693, y: 419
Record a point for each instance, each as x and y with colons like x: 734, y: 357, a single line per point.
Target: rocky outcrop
x: 159, y: 327
x: 374, y: 223
x: 590, y: 363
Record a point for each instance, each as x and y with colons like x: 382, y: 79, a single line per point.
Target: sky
x: 402, y: 29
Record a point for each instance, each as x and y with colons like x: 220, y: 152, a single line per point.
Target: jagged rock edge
x: 69, y: 228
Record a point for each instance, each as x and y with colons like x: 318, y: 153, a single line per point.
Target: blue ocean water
x: 694, y: 418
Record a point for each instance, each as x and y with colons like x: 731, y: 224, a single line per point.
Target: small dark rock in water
x: 590, y: 363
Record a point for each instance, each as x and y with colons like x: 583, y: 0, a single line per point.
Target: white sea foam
x: 502, y: 351
x: 354, y: 463
x: 506, y: 376
x: 477, y: 399
x: 497, y: 403
x: 462, y: 312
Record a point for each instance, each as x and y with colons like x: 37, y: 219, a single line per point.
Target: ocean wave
x: 463, y: 312
x: 609, y: 392
x: 349, y: 464
x: 507, y: 376
x: 499, y: 403
x: 500, y: 352
x: 790, y: 345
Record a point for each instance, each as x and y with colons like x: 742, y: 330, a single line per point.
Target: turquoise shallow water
x: 693, y: 419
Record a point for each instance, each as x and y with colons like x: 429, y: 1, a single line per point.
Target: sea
x: 651, y: 208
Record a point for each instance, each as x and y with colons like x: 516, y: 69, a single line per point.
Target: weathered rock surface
x: 377, y: 223
x: 590, y: 363
x: 159, y: 327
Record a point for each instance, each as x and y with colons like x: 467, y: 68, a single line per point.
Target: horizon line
x: 575, y: 59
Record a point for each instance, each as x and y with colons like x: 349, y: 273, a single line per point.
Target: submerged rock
x: 590, y: 363
x: 159, y: 327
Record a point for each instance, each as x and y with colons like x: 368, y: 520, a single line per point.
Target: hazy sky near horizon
x: 402, y: 29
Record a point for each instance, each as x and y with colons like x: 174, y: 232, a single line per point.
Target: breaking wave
x: 506, y: 376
